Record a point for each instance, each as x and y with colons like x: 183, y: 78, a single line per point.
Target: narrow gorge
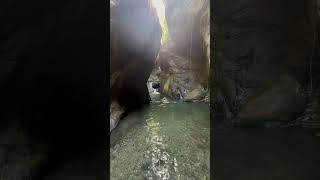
x: 159, y: 113
x: 198, y: 89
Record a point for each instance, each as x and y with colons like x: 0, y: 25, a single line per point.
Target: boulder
x: 178, y: 79
x: 280, y: 103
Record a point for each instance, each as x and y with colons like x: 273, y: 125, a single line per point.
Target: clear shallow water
x: 166, y: 141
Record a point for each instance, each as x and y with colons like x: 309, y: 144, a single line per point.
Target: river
x: 162, y: 141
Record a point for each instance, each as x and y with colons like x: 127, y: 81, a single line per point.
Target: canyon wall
x: 52, y: 84
x: 262, y: 54
x: 183, y: 62
x: 135, y: 34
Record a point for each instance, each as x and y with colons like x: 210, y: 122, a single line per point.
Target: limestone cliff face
x: 184, y: 60
x: 134, y: 43
x: 262, y: 58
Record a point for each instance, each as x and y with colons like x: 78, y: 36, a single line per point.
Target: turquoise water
x: 164, y: 141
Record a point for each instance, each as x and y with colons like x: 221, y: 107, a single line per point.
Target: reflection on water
x: 166, y: 141
x: 159, y: 156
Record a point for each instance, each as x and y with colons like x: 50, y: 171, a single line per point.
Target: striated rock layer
x: 135, y: 34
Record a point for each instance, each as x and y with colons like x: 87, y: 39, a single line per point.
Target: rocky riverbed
x: 162, y: 141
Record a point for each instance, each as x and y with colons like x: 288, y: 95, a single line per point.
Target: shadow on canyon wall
x: 53, y: 85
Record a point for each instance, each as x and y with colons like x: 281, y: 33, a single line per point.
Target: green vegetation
x: 165, y: 34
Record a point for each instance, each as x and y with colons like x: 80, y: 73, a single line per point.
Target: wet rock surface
x: 115, y: 114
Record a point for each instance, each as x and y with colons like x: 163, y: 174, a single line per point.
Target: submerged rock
x: 165, y: 101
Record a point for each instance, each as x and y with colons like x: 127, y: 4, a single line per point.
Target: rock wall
x: 262, y: 58
x: 52, y: 84
x: 135, y: 34
x: 184, y: 60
